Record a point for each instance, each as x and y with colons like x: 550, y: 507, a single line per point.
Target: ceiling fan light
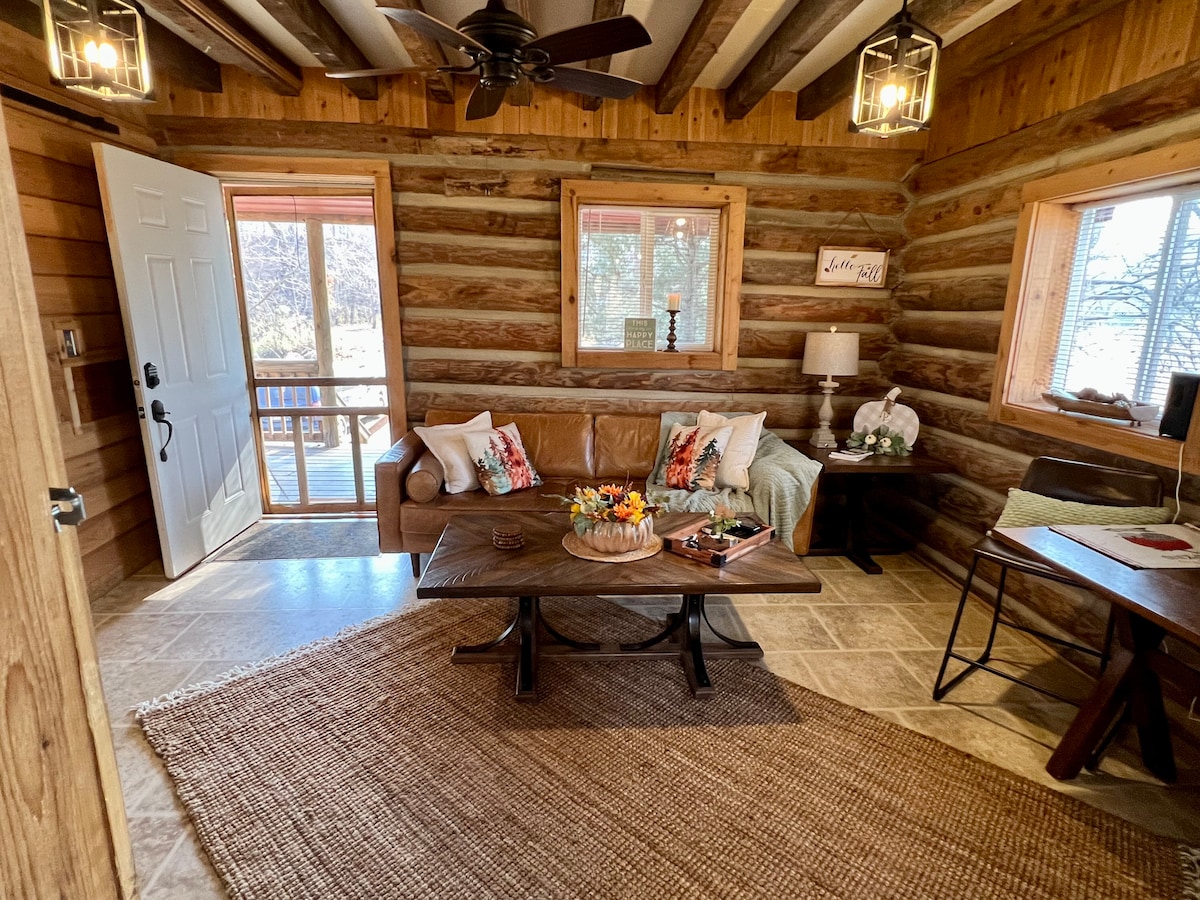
x: 894, y: 81
x: 98, y: 47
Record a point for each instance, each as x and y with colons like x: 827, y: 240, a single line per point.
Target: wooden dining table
x: 1148, y: 605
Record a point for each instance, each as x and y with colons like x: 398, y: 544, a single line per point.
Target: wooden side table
x: 856, y: 478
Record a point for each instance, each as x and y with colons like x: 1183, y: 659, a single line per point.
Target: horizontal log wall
x: 479, y: 290
x: 73, y: 279
x: 961, y: 230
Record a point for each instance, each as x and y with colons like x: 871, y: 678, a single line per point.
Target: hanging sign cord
x: 866, y: 222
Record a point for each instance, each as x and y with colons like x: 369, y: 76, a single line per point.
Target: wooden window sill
x: 649, y: 359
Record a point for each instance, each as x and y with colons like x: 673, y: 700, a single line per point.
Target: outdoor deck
x: 330, y: 473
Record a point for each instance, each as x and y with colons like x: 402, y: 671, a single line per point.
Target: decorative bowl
x: 618, y: 537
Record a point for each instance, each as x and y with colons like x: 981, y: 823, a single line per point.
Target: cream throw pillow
x: 734, y: 471
x: 1025, y: 509
x: 447, y: 444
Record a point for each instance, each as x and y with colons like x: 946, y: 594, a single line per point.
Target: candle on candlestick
x: 672, y: 302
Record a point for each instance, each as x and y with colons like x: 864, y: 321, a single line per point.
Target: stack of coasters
x: 508, y: 537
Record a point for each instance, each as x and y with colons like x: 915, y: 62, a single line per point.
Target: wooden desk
x: 1148, y: 604
x: 853, y: 474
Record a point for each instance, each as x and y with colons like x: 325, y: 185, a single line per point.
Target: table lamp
x: 829, y: 353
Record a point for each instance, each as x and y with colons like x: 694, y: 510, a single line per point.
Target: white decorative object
x: 889, y: 413
x: 829, y: 353
x: 857, y: 266
x: 734, y: 471
x: 447, y: 444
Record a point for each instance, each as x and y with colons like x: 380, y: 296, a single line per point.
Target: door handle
x: 159, y: 414
x: 72, y: 515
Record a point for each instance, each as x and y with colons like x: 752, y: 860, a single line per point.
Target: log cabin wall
x: 1122, y: 83
x: 477, y: 217
x: 73, y: 280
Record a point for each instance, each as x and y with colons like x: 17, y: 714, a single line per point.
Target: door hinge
x: 66, y: 515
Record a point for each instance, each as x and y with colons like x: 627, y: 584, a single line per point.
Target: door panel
x: 175, y: 280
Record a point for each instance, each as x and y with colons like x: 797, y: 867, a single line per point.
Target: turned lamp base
x: 823, y: 438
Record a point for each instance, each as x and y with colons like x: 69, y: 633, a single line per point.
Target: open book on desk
x: 1140, y: 546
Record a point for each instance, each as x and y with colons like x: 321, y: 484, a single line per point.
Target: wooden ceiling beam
x: 837, y: 83
x: 601, y: 9
x: 323, y: 37
x: 424, y: 52
x: 711, y: 25
x: 227, y: 38
x: 805, y: 26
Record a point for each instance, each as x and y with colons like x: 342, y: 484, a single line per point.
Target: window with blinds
x: 1131, y: 310
x: 631, y: 259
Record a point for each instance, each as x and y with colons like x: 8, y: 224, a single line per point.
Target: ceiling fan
x: 509, y: 55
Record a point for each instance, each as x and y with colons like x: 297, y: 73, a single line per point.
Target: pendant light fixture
x: 98, y: 47
x: 897, y: 67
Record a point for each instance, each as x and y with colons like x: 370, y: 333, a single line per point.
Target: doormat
x: 303, y: 539
x: 368, y: 766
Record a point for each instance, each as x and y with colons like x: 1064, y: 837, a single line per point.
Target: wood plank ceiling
x: 745, y: 48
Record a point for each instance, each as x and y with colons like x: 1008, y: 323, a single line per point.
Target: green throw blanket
x: 781, y: 482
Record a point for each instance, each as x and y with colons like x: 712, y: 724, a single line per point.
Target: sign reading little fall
x: 859, y: 266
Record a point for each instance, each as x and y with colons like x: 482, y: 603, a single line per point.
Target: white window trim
x: 1046, y: 215
x: 731, y: 201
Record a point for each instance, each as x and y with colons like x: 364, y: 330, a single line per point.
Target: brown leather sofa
x: 567, y: 449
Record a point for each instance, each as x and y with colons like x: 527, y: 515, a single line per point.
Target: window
x: 630, y: 251
x: 1105, y: 294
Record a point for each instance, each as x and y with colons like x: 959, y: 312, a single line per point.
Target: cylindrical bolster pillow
x: 424, y: 479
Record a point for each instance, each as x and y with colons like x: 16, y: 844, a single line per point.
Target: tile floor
x: 872, y: 641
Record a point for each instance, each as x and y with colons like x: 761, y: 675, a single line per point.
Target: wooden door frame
x: 286, y: 171
x: 66, y: 833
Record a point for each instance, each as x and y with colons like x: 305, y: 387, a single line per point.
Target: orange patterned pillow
x: 693, y: 455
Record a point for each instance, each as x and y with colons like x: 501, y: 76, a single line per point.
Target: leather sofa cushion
x: 559, y: 445
x: 626, y: 446
x: 430, y: 518
x: 424, y: 481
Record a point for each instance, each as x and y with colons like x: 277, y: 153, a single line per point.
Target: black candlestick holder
x: 671, y: 331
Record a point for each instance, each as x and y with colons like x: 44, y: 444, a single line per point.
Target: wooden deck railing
x: 304, y: 421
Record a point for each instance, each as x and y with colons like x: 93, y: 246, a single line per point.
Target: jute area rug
x: 366, y: 766
x: 303, y: 539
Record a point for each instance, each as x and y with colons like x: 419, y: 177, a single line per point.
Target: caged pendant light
x: 893, y: 88
x: 98, y: 47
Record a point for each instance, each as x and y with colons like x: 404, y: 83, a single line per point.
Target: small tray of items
x: 698, y: 542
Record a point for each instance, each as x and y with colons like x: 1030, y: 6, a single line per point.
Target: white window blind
x: 631, y: 258
x: 1132, y: 314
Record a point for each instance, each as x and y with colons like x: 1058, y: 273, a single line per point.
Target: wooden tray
x: 675, y: 542
x: 1135, y: 414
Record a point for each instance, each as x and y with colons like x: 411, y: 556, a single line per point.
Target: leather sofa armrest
x: 390, y: 471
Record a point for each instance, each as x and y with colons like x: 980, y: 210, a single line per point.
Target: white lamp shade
x: 831, y: 353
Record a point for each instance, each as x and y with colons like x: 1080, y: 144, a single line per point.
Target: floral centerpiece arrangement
x: 721, y: 519
x: 611, y: 518
x: 882, y: 440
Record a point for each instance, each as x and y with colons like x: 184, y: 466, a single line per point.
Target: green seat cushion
x: 1025, y: 508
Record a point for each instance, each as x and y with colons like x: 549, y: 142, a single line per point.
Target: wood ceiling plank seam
x: 601, y: 9
x: 325, y: 39
x: 424, y: 52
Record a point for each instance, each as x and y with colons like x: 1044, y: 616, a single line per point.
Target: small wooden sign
x: 858, y: 266
x: 639, y: 333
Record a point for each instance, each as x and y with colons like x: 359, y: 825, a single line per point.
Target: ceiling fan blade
x: 425, y: 24
x: 370, y: 73
x: 601, y: 38
x: 521, y: 93
x: 484, y: 102
x: 597, y: 84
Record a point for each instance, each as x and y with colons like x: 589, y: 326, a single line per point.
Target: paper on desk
x: 1140, y: 546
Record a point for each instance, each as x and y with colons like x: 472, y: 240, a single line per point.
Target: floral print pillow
x: 500, y: 460
x: 693, y: 456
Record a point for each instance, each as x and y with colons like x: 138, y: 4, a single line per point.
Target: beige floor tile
x: 153, y: 838
x: 868, y: 679
x: 133, y: 637
x: 935, y: 619
x: 930, y: 587
x: 186, y: 875
x: 126, y: 684
x: 258, y: 634
x: 790, y: 665
x: 829, y: 564
x: 984, y: 687
x: 777, y: 627
x: 901, y: 562
x: 868, y: 626
x: 859, y: 587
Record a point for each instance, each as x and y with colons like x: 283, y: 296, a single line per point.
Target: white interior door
x: 171, y: 254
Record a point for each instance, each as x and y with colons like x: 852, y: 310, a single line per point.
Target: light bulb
x: 891, y: 94
x: 681, y: 221
x: 103, y: 55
